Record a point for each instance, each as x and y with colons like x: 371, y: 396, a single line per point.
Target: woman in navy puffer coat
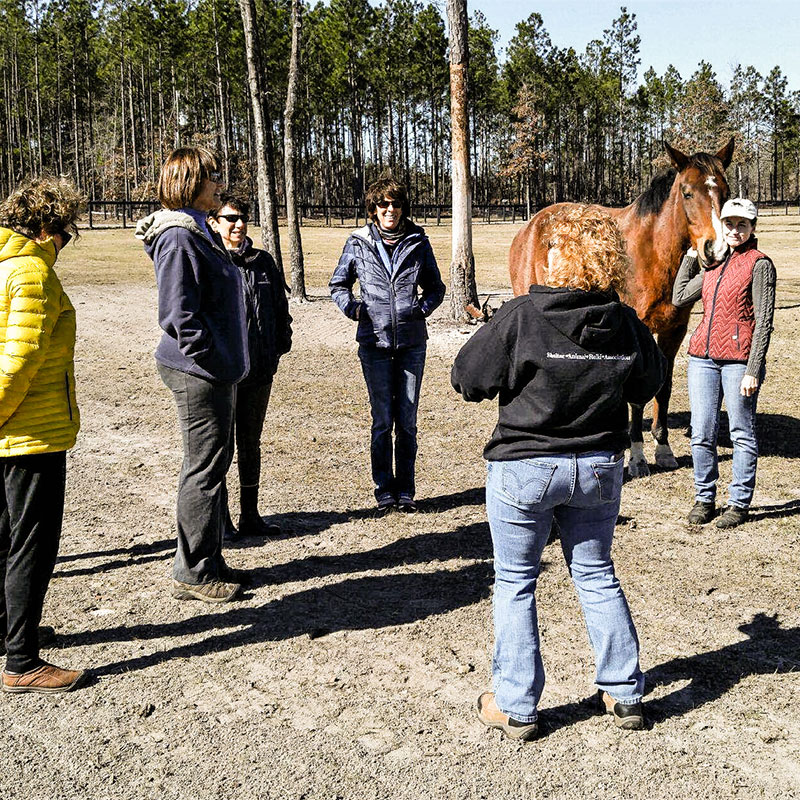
x: 400, y: 285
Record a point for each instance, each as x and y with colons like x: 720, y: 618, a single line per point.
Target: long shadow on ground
x: 368, y: 602
x: 768, y: 650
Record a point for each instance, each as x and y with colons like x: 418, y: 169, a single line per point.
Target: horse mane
x: 655, y: 195
x: 651, y: 200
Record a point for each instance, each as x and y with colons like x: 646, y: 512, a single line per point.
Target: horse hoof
x: 666, y: 460
x: 638, y: 468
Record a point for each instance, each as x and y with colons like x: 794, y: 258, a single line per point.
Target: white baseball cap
x: 739, y: 207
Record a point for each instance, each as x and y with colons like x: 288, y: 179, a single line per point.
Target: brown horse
x: 679, y: 209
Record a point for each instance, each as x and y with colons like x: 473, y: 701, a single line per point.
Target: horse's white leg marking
x: 637, y: 463
x: 665, y: 458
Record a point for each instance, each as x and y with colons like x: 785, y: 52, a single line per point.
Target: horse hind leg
x: 637, y: 463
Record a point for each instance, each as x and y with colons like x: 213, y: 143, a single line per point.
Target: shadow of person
x: 789, y: 509
x: 368, y: 602
x: 769, y: 649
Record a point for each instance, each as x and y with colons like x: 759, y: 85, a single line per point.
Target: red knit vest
x: 726, y: 330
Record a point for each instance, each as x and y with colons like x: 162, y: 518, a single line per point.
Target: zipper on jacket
x: 69, y: 402
x: 714, y: 305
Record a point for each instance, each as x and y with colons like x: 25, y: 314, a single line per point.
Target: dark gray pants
x: 31, y: 512
x: 205, y: 414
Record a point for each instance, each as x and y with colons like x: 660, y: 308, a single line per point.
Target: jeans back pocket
x: 526, y: 481
x: 609, y: 475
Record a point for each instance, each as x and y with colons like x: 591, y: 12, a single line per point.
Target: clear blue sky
x: 761, y: 33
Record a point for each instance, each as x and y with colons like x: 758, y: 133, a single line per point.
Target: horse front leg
x: 637, y: 463
x: 669, y: 342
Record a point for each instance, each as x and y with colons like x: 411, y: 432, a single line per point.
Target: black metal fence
x: 125, y: 213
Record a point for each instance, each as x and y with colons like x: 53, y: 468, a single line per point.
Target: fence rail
x: 125, y: 213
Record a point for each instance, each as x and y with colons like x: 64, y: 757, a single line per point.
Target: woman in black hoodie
x: 564, y: 360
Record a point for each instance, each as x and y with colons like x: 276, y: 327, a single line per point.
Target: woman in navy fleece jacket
x: 201, y: 357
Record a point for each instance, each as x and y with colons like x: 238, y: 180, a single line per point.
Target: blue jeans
x: 709, y: 382
x: 393, y: 380
x: 582, y: 492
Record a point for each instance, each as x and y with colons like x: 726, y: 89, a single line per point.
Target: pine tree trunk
x: 463, y: 291
x: 295, y: 240
x: 265, y: 168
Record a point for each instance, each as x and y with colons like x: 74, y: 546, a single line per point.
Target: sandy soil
x: 351, y: 668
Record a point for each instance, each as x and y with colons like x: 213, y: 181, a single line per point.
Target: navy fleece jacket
x: 201, y: 306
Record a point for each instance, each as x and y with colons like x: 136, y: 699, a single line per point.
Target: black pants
x: 251, y: 408
x: 31, y: 512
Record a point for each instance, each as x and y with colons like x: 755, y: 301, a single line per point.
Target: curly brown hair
x: 586, y: 250
x: 43, y: 207
x: 390, y: 189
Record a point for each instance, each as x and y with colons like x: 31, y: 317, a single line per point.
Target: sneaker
x: 211, y: 592
x: 732, y: 516
x: 627, y: 717
x: 701, y: 513
x: 386, y: 504
x: 45, y: 679
x: 492, y: 717
x: 406, y: 504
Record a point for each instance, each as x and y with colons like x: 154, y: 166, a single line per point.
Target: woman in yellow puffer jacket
x: 38, y: 420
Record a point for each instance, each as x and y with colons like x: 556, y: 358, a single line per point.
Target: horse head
x: 703, y: 189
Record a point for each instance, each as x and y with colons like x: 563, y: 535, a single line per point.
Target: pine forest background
x: 102, y: 91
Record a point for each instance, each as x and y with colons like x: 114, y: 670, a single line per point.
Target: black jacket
x: 564, y: 363
x: 269, y: 325
x: 392, y: 309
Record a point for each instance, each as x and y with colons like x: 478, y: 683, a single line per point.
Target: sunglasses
x: 234, y: 218
x: 216, y: 177
x: 387, y: 203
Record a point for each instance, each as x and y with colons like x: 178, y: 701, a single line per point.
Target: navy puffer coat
x: 392, y: 309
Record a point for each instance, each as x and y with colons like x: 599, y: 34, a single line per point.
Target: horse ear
x: 676, y: 157
x: 726, y: 153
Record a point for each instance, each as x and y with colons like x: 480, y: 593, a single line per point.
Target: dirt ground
x: 350, y: 669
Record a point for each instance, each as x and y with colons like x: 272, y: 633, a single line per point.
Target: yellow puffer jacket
x: 38, y: 411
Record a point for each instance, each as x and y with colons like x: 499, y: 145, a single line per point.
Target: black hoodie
x: 564, y: 363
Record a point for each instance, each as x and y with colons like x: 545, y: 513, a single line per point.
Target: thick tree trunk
x: 267, y: 207
x: 463, y: 291
x: 295, y: 240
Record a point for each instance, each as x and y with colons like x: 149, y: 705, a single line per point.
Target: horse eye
x: 688, y: 195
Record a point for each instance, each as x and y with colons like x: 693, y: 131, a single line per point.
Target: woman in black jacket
x: 269, y: 334
x: 392, y: 260
x: 564, y: 360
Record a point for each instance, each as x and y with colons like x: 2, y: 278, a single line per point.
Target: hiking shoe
x: 386, y: 504
x: 406, y: 504
x: 211, y: 592
x: 254, y: 525
x: 627, y: 717
x: 701, y: 513
x: 732, y: 516
x: 492, y: 717
x: 45, y: 679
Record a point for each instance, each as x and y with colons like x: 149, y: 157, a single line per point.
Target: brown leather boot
x: 45, y: 679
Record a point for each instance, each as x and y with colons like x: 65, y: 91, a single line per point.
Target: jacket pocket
x: 526, y: 481
x: 735, y: 336
x: 609, y: 475
x: 66, y: 386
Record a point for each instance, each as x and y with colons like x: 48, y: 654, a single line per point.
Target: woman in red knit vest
x: 727, y: 355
